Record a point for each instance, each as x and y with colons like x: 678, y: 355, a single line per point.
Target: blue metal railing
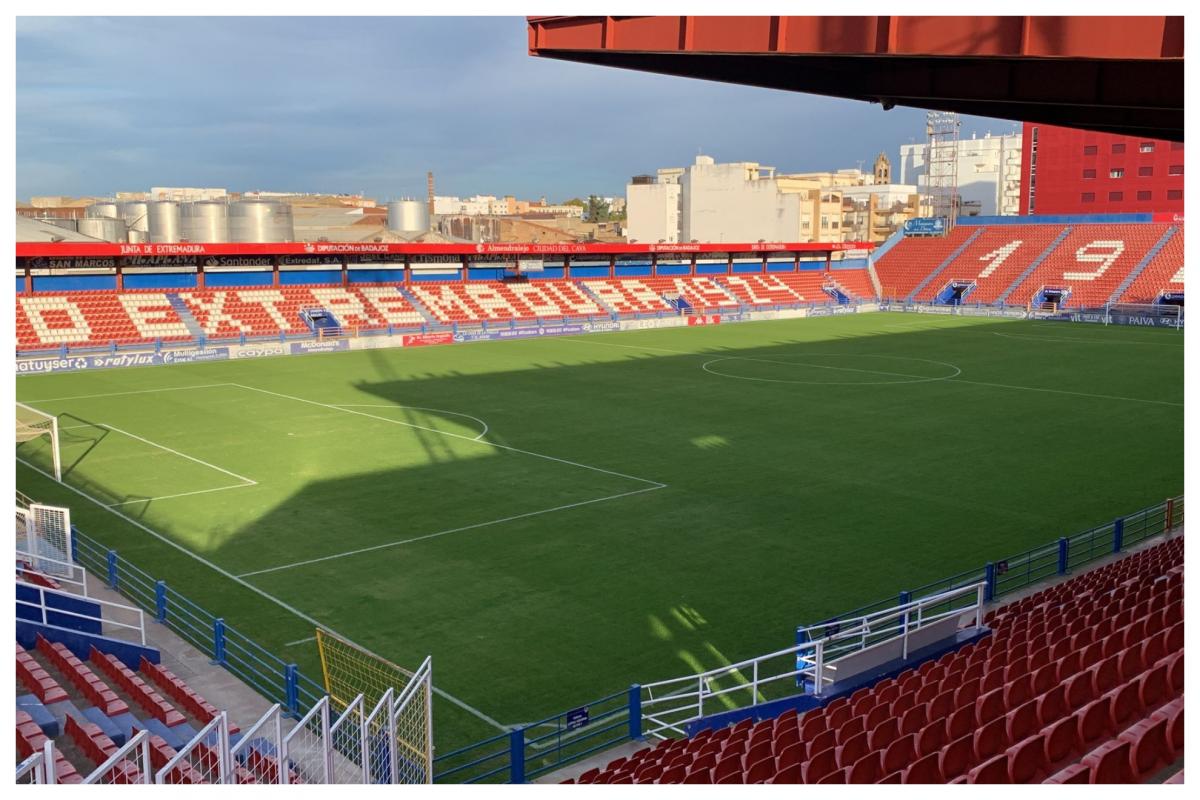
x: 256, y: 666
x: 537, y: 748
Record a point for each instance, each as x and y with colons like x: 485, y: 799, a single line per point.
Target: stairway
x: 607, y: 308
x: 949, y: 259
x: 419, y: 306
x: 185, y: 315
x: 1141, y: 265
x: 1037, y: 262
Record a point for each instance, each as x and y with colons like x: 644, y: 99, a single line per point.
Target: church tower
x: 883, y: 169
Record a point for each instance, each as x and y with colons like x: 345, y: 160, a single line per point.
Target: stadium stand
x: 809, y: 284
x: 95, y: 319
x: 914, y: 258
x: 993, y: 261
x: 856, y: 283
x: 105, y: 703
x: 762, y: 290
x: 1013, y: 264
x: 701, y: 293
x: 1081, y: 682
x: 627, y: 296
x: 1091, y: 261
x: 1164, y: 273
x: 493, y: 301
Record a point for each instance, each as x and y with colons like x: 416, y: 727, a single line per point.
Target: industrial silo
x: 110, y: 229
x: 165, y: 222
x: 261, y: 221
x: 105, y: 209
x: 206, y: 221
x: 137, y: 237
x: 408, y: 216
x: 136, y: 215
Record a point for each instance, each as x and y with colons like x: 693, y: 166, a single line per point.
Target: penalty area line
x: 476, y: 526
x: 246, y: 584
x: 510, y: 448
x: 181, y: 494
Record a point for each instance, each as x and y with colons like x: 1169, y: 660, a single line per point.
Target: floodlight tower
x: 941, y: 168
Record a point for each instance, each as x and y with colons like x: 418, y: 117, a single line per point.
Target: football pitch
x: 554, y: 519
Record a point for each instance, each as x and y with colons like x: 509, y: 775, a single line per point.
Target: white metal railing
x: 136, y: 751
x: 348, y: 740
x: 267, y: 735
x: 667, y: 706
x: 306, y: 746
x: 205, y: 759
x: 107, y: 623
x: 33, y: 769
x: 893, y: 624
x: 65, y: 573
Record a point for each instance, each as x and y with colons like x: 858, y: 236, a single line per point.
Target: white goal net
x: 44, y: 538
x: 33, y: 425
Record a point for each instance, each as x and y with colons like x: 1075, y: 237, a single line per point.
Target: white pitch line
x: 942, y: 380
x: 1037, y: 338
x: 447, y: 532
x: 242, y: 478
x: 511, y: 449
x: 1064, y: 391
x: 181, y: 494
x: 118, y: 394
x: 265, y: 595
x: 421, y: 408
x: 301, y: 641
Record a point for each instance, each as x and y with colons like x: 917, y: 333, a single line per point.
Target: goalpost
x: 392, y: 704
x: 44, y: 534
x: 33, y: 424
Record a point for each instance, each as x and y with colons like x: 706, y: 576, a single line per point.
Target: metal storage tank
x: 408, y: 216
x: 110, y: 229
x: 206, y: 221
x: 165, y: 225
x: 261, y: 221
x: 136, y: 215
x: 137, y: 237
x: 106, y: 209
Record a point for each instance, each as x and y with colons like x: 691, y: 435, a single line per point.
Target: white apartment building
x: 736, y: 202
x: 989, y: 173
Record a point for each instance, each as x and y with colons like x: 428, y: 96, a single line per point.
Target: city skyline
x: 368, y: 105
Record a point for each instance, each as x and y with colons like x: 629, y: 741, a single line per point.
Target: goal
x: 33, y: 424
x: 44, y: 536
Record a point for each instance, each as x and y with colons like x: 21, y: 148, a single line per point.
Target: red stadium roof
x: 1114, y: 74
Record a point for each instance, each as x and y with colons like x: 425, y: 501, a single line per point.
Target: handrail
x: 33, y: 767
x: 814, y: 657
x: 140, y: 627
x: 69, y: 567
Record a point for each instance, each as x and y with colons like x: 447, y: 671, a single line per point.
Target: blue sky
x: 370, y: 104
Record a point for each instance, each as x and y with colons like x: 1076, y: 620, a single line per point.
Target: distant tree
x: 597, y: 210
x: 575, y: 201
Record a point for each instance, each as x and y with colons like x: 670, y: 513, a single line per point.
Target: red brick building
x: 1070, y: 171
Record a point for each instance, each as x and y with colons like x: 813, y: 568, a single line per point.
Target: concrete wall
x: 721, y: 205
x: 653, y: 212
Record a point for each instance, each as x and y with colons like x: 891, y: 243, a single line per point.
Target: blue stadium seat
x: 111, y: 729
x: 41, y: 715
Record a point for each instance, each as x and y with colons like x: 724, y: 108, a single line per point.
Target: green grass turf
x: 810, y: 466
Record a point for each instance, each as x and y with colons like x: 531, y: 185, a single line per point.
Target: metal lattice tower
x: 941, y: 168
